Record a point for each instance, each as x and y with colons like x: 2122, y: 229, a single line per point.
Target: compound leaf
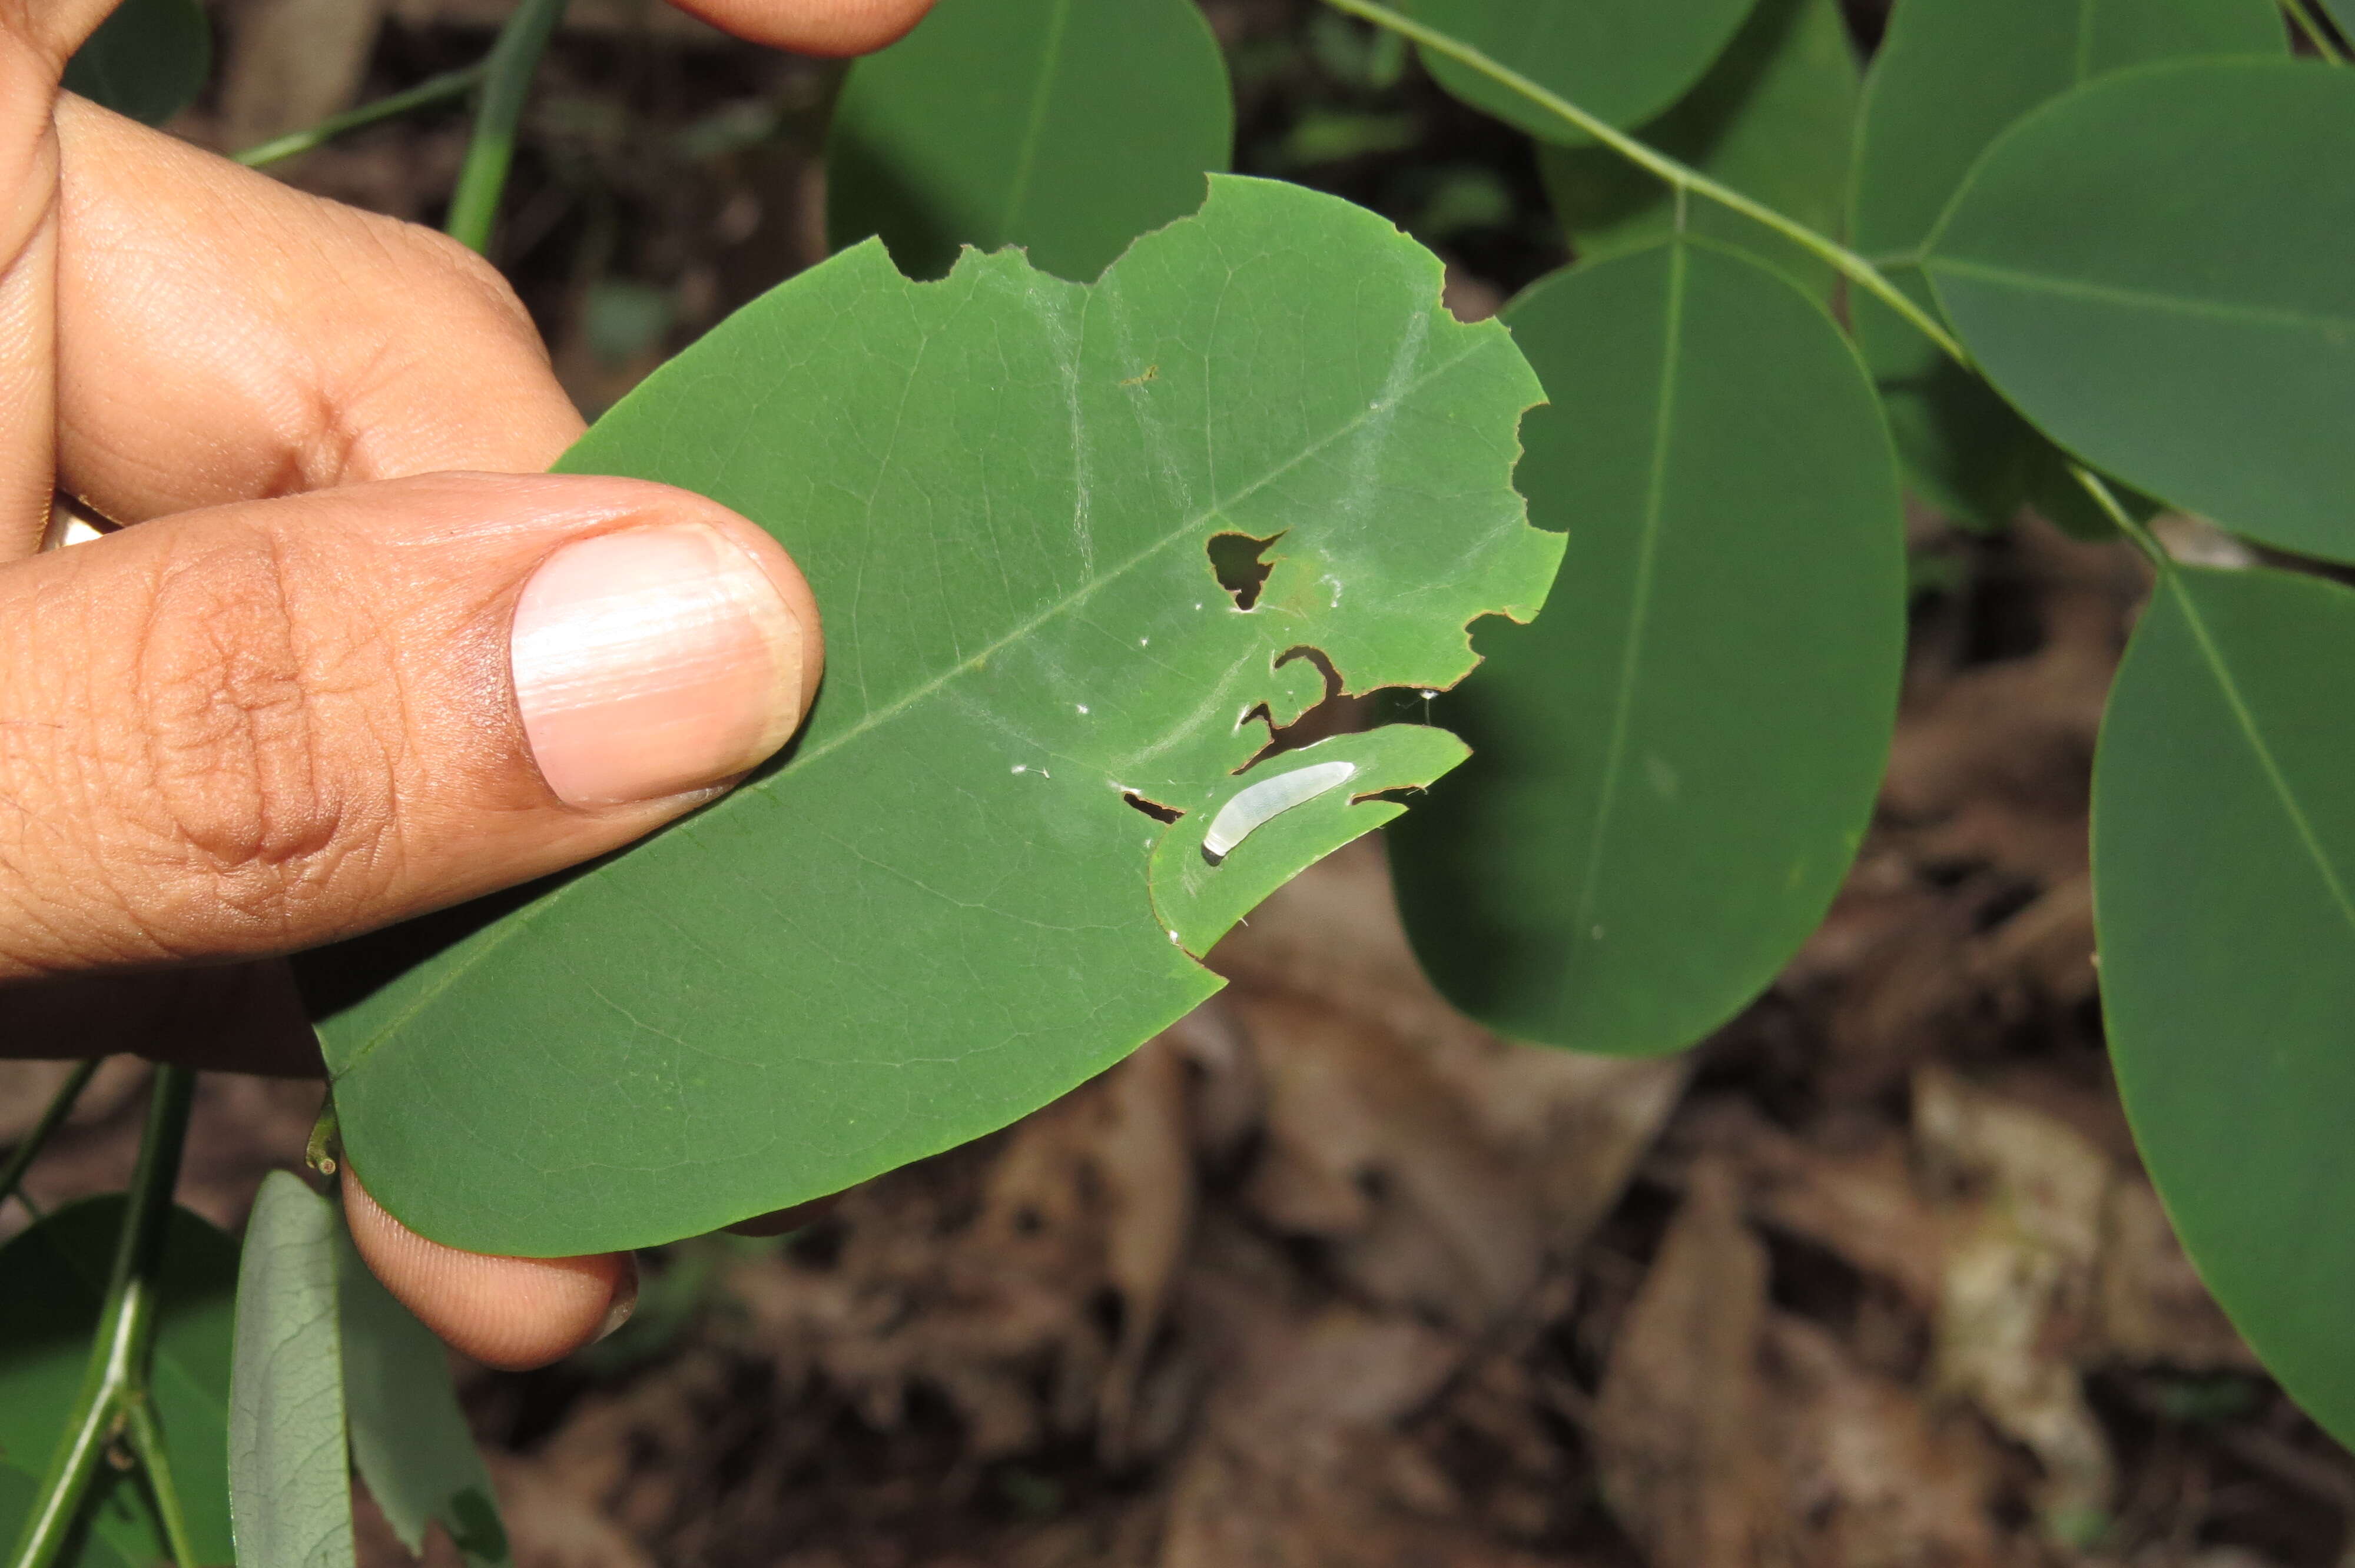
x: 938, y: 912
x: 409, y: 1440
x: 52, y: 1279
x: 1673, y: 766
x: 289, y: 1482
x: 148, y: 60
x: 1068, y: 127
x: 2223, y: 860
x: 2198, y: 340
x: 1772, y: 119
x: 1623, y: 61
x: 1950, y: 75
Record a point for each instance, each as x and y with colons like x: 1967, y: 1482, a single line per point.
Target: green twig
x: 61, y: 1105
x: 146, y: 1441
x: 433, y: 90
x: 1679, y: 178
x: 114, y: 1387
x: 507, y: 71
x: 2301, y: 12
x: 2104, y: 498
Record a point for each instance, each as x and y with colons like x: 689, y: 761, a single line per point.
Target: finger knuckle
x: 265, y: 788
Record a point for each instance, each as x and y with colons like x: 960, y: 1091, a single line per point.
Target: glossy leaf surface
x: 937, y: 914
x: 409, y: 1440
x: 290, y: 1484
x: 2199, y: 341
x: 52, y: 1279
x: 1672, y: 768
x: 148, y: 59
x: 1068, y: 127
x: 1623, y: 61
x: 1950, y: 75
x: 2223, y: 859
x: 1772, y: 119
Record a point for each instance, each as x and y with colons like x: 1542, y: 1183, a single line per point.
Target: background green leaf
x: 289, y: 1482
x: 1949, y: 76
x: 1772, y: 119
x: 2198, y: 340
x: 936, y: 914
x: 1068, y: 127
x: 52, y: 1279
x: 1673, y: 766
x: 409, y: 1440
x: 1623, y: 60
x: 2223, y: 859
x: 148, y: 59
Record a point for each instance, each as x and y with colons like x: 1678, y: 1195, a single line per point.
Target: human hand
x: 361, y: 657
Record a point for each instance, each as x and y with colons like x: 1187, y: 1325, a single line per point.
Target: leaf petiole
x: 2104, y: 498
x: 1679, y: 178
x: 433, y: 90
x: 2301, y: 13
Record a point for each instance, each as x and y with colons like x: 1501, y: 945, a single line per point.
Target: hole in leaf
x: 1237, y: 560
x: 1335, y: 713
x: 1153, y: 809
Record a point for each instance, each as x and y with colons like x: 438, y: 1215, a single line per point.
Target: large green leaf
x: 409, y: 1440
x: 1949, y: 76
x: 1672, y: 768
x: 1068, y: 127
x: 148, y: 60
x: 290, y: 1479
x: 2225, y: 860
x: 1772, y: 119
x: 937, y: 913
x: 1623, y: 60
x: 52, y: 1279
x: 2343, y: 13
x: 2198, y: 338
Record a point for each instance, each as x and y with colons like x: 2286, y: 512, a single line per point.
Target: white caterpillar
x: 1255, y: 803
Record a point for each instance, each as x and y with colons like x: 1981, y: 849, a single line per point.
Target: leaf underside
x: 1673, y: 766
x: 148, y: 59
x: 1950, y: 75
x: 289, y: 1468
x: 2224, y: 858
x: 936, y: 914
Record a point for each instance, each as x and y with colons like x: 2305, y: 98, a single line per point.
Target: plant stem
x: 507, y: 71
x: 2143, y: 540
x: 146, y: 1440
x: 61, y: 1105
x: 433, y: 90
x: 2301, y: 13
x: 1679, y: 178
x: 114, y: 1387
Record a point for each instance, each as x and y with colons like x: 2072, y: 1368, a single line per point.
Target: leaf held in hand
x: 147, y: 60
x: 941, y: 908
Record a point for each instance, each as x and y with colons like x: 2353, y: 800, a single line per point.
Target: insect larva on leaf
x: 1255, y: 803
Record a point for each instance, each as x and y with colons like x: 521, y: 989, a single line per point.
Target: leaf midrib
x: 529, y: 914
x: 2264, y: 756
x: 1639, y: 613
x: 2138, y: 299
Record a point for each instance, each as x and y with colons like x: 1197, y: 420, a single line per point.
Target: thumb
x: 258, y: 727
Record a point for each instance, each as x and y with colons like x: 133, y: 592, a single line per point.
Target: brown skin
x: 211, y: 752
